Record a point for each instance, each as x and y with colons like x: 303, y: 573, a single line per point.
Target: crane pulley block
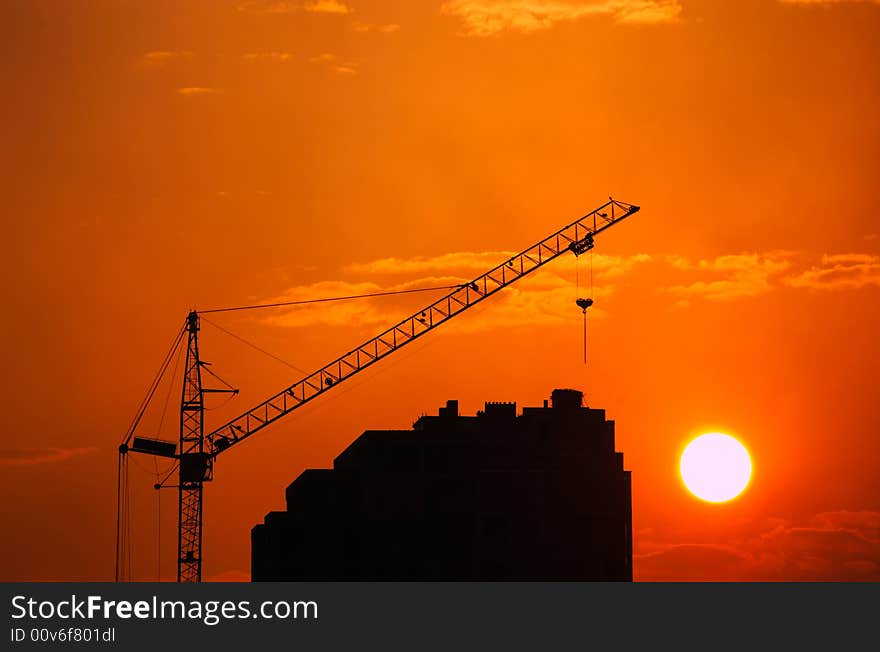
x: 581, y: 246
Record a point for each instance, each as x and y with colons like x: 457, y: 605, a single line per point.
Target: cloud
x: 471, y: 263
x: 689, y: 562
x: 192, y: 91
x: 347, y: 68
x: 829, y: 546
x: 546, y: 296
x: 327, y: 7
x: 387, y: 28
x: 159, y: 58
x: 829, y: 2
x: 289, y: 7
x: 839, y: 271
x: 730, y: 276
x: 268, y: 7
x: 360, y: 312
x: 458, y: 262
x: 488, y: 17
x: 540, y: 300
x: 34, y: 456
x: 752, y: 274
x: 280, y: 57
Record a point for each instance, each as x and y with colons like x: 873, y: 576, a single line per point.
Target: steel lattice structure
x: 197, y: 451
x: 192, y: 449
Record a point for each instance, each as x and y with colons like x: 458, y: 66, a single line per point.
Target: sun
x: 716, y: 467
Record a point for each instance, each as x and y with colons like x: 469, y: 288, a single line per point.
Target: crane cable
x: 254, y: 346
x: 325, y: 299
x: 158, y: 473
x: 154, y: 385
x: 585, y: 311
x: 123, y: 522
x: 162, y: 482
x: 123, y: 496
x: 168, y: 393
x: 121, y: 492
x: 301, y: 302
x: 158, y: 532
x: 299, y: 369
x: 232, y: 392
x: 582, y: 303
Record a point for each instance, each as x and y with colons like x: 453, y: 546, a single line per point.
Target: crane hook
x: 583, y: 304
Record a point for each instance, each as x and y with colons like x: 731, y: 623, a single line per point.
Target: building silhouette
x: 498, y: 496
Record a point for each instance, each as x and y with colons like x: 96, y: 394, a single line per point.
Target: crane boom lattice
x: 576, y: 237
x: 197, y: 451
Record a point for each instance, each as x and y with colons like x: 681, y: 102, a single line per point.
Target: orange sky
x: 169, y: 154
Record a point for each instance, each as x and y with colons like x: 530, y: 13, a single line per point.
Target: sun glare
x: 716, y: 467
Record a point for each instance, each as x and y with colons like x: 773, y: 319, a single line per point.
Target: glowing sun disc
x: 715, y: 467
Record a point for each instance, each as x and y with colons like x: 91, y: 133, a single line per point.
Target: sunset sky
x: 167, y: 155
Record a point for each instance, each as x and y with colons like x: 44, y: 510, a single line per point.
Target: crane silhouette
x: 196, y: 450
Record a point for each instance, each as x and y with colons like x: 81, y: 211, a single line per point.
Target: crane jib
x: 197, y: 451
x: 576, y: 237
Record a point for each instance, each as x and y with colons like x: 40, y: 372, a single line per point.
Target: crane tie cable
x: 353, y: 296
x: 254, y: 346
x: 154, y: 385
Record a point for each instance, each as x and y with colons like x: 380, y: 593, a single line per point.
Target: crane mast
x: 192, y: 450
x: 197, y: 451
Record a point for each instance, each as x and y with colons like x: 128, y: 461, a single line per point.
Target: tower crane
x: 196, y: 450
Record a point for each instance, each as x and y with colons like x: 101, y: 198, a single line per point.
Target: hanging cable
x: 591, y: 273
x: 142, y: 408
x: 123, y: 496
x: 125, y: 537
x: 353, y: 296
x: 228, y: 398
x: 584, y: 303
x: 158, y: 521
x: 157, y: 486
x: 128, y: 538
x: 145, y: 469
x: 171, y: 471
x: 585, y: 337
x: 170, y: 387
x: 119, y: 516
x: 158, y: 532
x: 255, y: 347
x: 123, y: 523
x: 207, y: 369
x: 591, y: 302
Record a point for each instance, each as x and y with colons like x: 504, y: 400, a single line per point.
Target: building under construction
x: 541, y: 495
